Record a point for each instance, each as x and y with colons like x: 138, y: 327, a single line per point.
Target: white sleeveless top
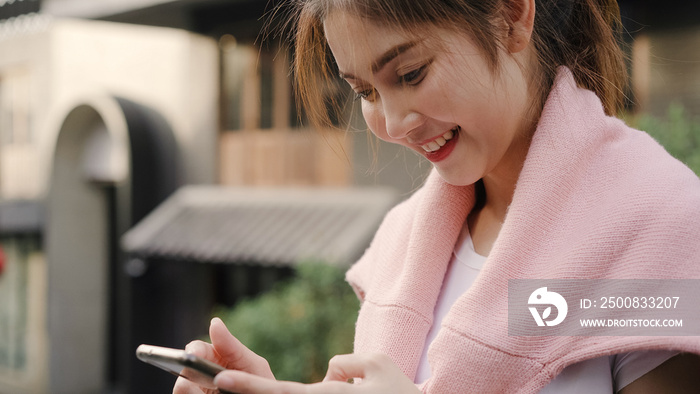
x: 606, y: 374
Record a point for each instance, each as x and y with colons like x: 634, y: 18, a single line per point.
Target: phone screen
x: 180, y: 363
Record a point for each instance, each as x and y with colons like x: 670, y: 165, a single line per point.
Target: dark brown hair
x: 580, y: 34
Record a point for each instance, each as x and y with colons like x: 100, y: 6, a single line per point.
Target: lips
x: 441, y: 147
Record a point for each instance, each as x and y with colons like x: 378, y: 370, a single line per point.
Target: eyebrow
x: 385, y: 58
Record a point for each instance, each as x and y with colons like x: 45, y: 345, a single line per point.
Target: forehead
x: 357, y: 42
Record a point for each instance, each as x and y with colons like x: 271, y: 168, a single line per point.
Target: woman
x: 512, y: 102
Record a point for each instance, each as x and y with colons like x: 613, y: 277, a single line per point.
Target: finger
x: 245, y: 383
x: 184, y: 386
x: 203, y: 350
x: 346, y: 366
x: 233, y: 353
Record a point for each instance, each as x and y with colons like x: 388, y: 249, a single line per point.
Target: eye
x: 368, y: 94
x: 414, y: 77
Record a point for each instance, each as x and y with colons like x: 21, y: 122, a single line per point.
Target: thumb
x: 221, y: 337
x: 348, y: 366
x: 233, y: 353
x: 229, y: 348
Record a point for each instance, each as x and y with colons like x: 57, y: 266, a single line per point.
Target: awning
x: 21, y: 217
x: 265, y: 226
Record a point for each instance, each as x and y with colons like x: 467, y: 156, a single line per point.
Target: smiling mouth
x: 436, y: 144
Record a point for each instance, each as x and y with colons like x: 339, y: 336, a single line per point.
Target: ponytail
x: 584, y: 36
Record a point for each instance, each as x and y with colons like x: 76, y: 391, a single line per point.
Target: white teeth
x: 439, y: 142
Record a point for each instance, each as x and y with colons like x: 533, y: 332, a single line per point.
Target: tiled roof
x: 279, y: 226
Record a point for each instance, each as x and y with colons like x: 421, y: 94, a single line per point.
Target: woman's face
x: 437, y: 95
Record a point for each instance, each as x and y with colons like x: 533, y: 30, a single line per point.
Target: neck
x: 498, y: 195
x: 499, y: 184
x: 484, y: 223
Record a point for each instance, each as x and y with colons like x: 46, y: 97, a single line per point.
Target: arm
x: 679, y: 374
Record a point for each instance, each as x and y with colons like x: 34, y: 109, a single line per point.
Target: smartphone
x: 180, y: 363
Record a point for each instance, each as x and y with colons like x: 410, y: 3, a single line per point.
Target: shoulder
x: 646, y: 172
x: 421, y: 230
x: 650, y: 201
x: 395, y: 225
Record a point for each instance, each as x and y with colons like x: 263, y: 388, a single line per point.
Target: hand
x: 378, y: 372
x: 226, y: 351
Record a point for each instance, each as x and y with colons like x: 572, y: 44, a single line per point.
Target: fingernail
x: 216, y: 319
x: 193, y: 348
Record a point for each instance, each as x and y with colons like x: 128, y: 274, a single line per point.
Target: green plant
x: 300, y: 324
x: 678, y: 132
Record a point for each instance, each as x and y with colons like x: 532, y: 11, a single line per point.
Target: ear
x: 520, y: 17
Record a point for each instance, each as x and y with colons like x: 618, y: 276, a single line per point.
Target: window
x: 14, y: 108
x: 256, y: 88
x: 263, y: 141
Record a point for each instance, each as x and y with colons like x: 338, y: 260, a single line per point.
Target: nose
x: 399, y: 117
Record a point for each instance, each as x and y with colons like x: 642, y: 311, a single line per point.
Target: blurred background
x: 154, y: 172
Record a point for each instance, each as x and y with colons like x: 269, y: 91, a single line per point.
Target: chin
x: 457, y: 179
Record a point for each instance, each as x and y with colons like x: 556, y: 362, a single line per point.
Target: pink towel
x: 595, y: 199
